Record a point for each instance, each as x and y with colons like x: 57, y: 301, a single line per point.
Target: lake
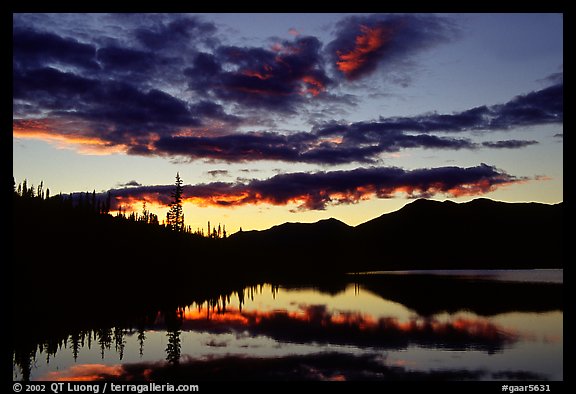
x: 410, y: 325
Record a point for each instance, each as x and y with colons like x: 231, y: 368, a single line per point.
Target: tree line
x: 93, y: 203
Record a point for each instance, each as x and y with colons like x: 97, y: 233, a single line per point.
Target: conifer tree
x: 175, y: 216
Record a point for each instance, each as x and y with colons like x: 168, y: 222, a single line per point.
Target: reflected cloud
x: 326, y: 366
x: 315, y: 323
x: 299, y: 327
x: 86, y: 372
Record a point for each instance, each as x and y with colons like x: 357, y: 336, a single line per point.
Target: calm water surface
x: 299, y: 332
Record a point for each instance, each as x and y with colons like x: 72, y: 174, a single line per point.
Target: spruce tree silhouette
x: 175, y: 216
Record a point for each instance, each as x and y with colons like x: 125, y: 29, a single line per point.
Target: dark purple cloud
x: 130, y: 184
x: 167, y: 86
x: 149, y: 122
x: 315, y: 191
x: 120, y: 105
x: 216, y: 173
x: 127, y: 60
x: 508, y: 144
x: 277, y: 78
x: 384, y: 42
x: 115, y: 91
x: 118, y: 113
x: 297, y: 147
x: 161, y: 33
x: 540, y: 107
x: 336, y: 143
x: 32, y: 49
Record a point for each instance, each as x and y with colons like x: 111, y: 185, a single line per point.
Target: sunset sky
x: 270, y: 118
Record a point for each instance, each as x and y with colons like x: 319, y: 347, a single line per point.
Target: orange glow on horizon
x: 241, y: 195
x: 52, y: 131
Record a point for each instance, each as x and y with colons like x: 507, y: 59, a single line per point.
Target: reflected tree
x: 119, y: 342
x: 141, y: 339
x: 173, y: 321
x: 23, y: 358
x: 51, y: 347
x: 75, y: 344
x: 241, y: 301
x: 104, y: 339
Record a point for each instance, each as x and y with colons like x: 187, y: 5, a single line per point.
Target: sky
x: 273, y: 118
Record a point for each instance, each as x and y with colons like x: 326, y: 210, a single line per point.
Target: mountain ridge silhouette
x: 424, y: 234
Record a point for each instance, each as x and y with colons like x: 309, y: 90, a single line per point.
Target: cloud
x: 383, y: 42
x: 554, y: 78
x: 216, y: 173
x: 293, y: 32
x: 121, y: 89
x: 174, y: 31
x: 540, y: 107
x: 112, y: 112
x: 118, y: 90
x: 156, y: 123
x: 315, y: 191
x: 130, y: 183
x: 509, y: 144
x: 278, y: 78
x: 32, y: 49
x: 115, y: 105
x: 128, y: 60
x: 334, y: 143
x: 252, y: 146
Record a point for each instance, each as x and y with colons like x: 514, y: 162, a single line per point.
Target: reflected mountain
x: 309, y: 325
x: 84, y: 279
x: 329, y: 366
x: 312, y: 325
x: 428, y: 295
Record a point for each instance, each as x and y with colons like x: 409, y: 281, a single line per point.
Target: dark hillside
x: 478, y: 234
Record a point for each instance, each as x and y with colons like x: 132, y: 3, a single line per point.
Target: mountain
x: 424, y: 234
x: 71, y: 266
x: 297, y: 233
x: 481, y: 233
x: 51, y: 243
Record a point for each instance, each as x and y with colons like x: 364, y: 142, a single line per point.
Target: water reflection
x: 315, y: 323
x: 352, y: 332
x: 325, y: 366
